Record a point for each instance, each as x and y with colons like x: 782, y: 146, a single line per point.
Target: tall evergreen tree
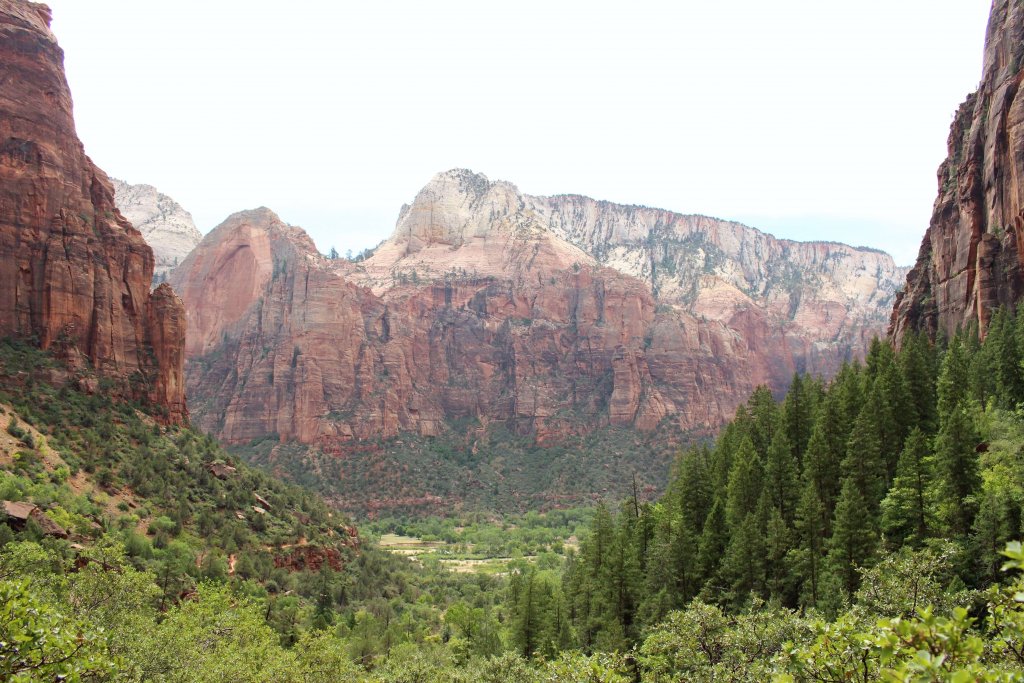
x: 780, y: 581
x: 742, y: 570
x: 780, y: 476
x: 798, y: 413
x: 694, y: 489
x: 854, y: 536
x: 713, y: 541
x: 847, y: 391
x: 893, y: 387
x: 879, y: 357
x: 882, y: 414
x: 764, y: 412
x: 956, y: 462
x: 956, y: 465
x: 918, y: 367
x: 811, y: 527
x: 825, y: 453
x: 953, y: 386
x: 745, y: 481
x: 906, y: 510
x: 864, y: 466
x: 1005, y: 359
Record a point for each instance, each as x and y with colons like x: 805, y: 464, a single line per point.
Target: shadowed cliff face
x: 494, y: 306
x: 971, y: 256
x: 74, y: 274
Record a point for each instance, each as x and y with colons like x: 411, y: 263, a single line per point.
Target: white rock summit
x: 165, y: 225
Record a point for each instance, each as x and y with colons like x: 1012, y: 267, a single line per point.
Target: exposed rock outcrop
x: 971, y: 257
x: 491, y: 305
x: 73, y: 272
x: 821, y: 301
x: 164, y: 224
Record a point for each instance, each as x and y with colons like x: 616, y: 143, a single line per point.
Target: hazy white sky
x: 812, y: 119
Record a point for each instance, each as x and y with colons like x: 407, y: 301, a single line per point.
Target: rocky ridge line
x: 478, y: 310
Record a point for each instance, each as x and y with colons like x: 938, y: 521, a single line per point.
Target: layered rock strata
x: 488, y: 305
x: 74, y: 273
x: 971, y: 257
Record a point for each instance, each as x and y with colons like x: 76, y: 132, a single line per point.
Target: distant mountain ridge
x: 165, y: 225
x: 826, y: 297
x: 497, y: 307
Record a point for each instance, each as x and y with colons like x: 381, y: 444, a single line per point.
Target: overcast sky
x: 809, y: 119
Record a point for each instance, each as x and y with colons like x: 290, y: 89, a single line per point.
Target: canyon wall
x: 490, y: 306
x: 74, y: 274
x: 970, y: 258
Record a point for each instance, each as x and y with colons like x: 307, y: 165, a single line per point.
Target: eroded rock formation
x: 73, y: 272
x: 164, y: 224
x: 551, y: 315
x: 971, y: 257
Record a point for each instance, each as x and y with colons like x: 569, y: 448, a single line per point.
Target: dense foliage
x: 853, y: 531
x: 919, y: 449
x: 471, y: 468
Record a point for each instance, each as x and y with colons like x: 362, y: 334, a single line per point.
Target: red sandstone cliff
x: 478, y: 308
x: 73, y: 272
x: 970, y: 259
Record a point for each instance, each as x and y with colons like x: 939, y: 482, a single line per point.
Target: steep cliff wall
x: 971, y: 256
x: 820, y: 301
x: 73, y: 272
x: 480, y: 308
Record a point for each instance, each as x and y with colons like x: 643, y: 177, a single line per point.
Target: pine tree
x: 780, y: 583
x: 893, y: 387
x: 694, y: 487
x: 780, y: 474
x: 1006, y: 359
x: 745, y: 482
x: 527, y: 619
x: 956, y: 465
x: 669, y: 582
x: 918, y: 369
x: 806, y: 560
x: 825, y: 453
x: 764, y: 414
x: 742, y: 569
x: 797, y: 411
x: 880, y: 356
x: 713, y: 541
x: 881, y: 413
x: 906, y: 511
x: 996, y: 523
x: 847, y: 391
x: 863, y: 466
x: 854, y: 538
x: 952, y: 388
x: 956, y: 462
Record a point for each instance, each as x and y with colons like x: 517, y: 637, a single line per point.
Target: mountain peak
x: 165, y: 225
x: 455, y: 207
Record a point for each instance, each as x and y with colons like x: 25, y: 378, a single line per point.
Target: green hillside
x: 861, y: 529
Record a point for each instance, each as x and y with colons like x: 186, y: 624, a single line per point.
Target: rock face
x: 971, y: 257
x: 166, y: 227
x: 74, y: 274
x: 820, y: 302
x: 553, y: 316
